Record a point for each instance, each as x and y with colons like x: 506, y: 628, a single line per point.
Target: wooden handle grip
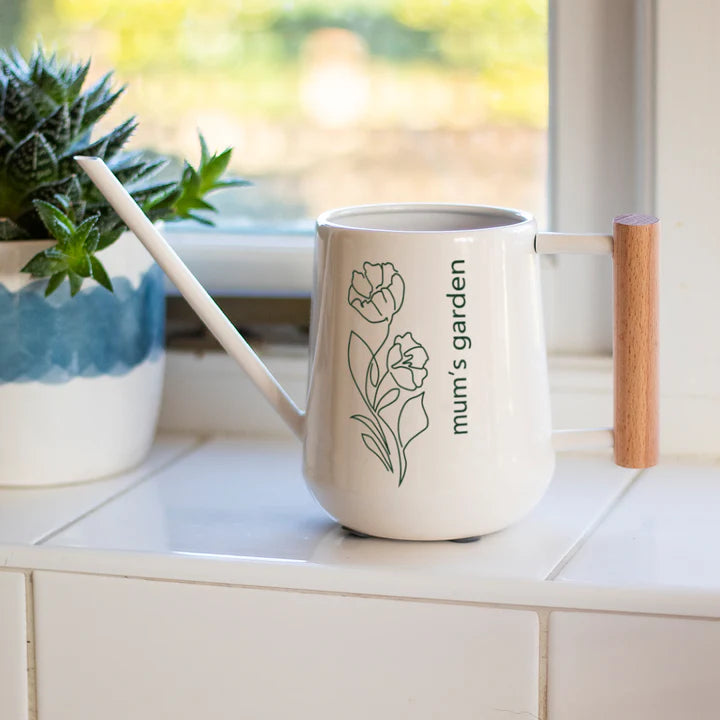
x: 635, y: 347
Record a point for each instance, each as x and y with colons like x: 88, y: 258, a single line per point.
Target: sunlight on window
x: 328, y: 102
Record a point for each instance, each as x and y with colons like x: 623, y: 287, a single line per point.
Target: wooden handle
x: 635, y: 347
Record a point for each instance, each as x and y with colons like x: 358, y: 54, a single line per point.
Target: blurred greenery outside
x: 327, y: 102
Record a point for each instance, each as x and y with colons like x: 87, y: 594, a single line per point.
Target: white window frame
x: 628, y: 80
x: 601, y: 146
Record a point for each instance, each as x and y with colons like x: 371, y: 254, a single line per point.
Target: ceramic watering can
x: 428, y: 405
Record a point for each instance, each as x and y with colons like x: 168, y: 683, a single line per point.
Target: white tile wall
x: 625, y: 667
x: 116, y: 649
x: 13, y: 648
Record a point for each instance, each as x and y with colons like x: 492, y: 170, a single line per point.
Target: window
x: 328, y: 102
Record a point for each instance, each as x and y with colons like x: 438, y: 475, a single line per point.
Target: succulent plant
x: 74, y: 255
x: 47, y: 117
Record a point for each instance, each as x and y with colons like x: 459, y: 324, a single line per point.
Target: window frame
x: 601, y: 64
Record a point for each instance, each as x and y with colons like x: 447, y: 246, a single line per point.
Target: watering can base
x: 357, y: 533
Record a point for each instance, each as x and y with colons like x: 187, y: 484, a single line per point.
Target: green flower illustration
x: 406, y: 361
x: 386, y: 381
x: 377, y: 292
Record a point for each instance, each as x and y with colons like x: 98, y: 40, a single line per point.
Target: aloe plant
x: 47, y: 117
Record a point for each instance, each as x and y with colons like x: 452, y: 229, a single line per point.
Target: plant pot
x: 80, y: 378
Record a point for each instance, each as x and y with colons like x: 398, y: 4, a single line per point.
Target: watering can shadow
x: 428, y: 406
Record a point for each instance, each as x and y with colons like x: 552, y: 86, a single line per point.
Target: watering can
x: 428, y: 403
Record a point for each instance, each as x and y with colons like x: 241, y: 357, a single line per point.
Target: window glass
x: 327, y: 102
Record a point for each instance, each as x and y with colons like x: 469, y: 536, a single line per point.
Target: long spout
x: 193, y: 292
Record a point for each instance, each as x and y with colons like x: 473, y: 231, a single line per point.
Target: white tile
x: 230, y: 497
x: 664, y: 532
x: 116, y: 648
x: 29, y: 514
x: 13, y: 648
x: 246, y: 498
x: 630, y: 667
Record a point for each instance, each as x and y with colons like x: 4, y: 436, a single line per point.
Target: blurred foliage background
x: 327, y: 102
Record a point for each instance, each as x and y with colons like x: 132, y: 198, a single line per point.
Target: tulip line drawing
x: 387, y: 378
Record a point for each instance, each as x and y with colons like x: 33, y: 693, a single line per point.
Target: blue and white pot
x: 80, y: 378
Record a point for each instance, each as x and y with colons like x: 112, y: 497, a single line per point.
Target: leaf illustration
x: 372, y: 446
x: 388, y: 399
x: 359, y: 357
x: 412, y: 421
x: 371, y: 378
x: 377, y: 433
x: 374, y: 372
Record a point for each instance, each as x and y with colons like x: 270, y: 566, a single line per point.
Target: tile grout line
x: 31, y: 645
x: 199, y: 443
x: 590, y: 529
x: 543, y: 632
x: 498, y: 605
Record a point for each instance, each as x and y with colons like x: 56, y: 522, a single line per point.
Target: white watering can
x: 428, y: 406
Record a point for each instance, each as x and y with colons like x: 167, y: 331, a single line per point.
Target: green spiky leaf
x: 204, y: 152
x: 63, y: 202
x: 95, y: 111
x: 199, y: 219
x: 50, y: 84
x: 75, y: 283
x: 133, y: 168
x: 77, y: 113
x: 235, y: 182
x: 77, y: 80
x: 69, y: 187
x: 153, y: 191
x: 83, y: 232
x: 196, y: 183
x: 100, y: 89
x: 55, y: 282
x: 32, y: 162
x: 211, y: 171
x: 57, y: 223
x: 100, y: 274
x: 55, y: 128
x: 118, y: 137
x: 42, y: 265
x: 18, y: 110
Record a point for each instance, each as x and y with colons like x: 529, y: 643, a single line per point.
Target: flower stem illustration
x: 388, y: 381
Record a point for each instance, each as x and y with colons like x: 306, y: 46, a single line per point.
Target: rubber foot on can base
x: 356, y: 533
x: 472, y: 538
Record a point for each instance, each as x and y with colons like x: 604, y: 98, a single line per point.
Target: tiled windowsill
x: 236, y: 511
x: 208, y: 583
